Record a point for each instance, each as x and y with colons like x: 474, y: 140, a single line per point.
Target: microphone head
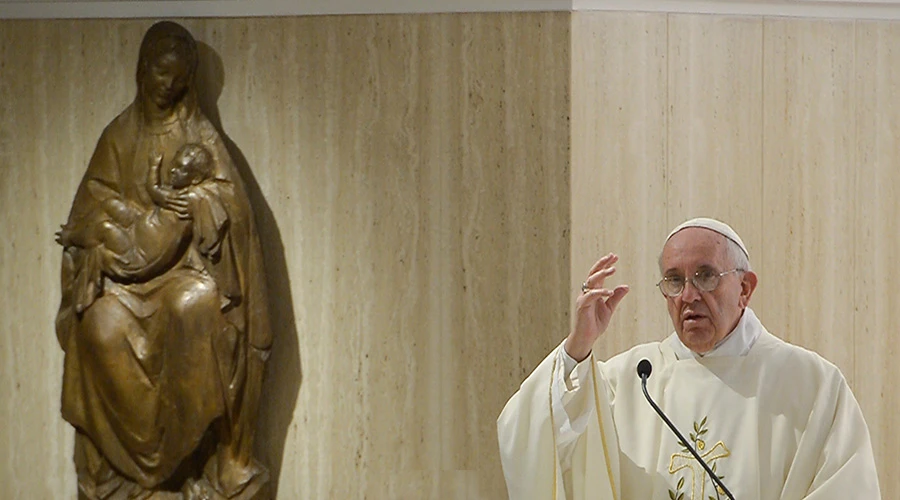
x: 644, y: 368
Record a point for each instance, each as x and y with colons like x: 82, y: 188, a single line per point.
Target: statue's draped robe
x: 777, y: 423
x: 150, y: 364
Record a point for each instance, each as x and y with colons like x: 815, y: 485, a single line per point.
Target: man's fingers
x: 611, y: 297
x: 596, y: 279
x: 616, y: 296
x: 593, y: 295
x: 604, y: 261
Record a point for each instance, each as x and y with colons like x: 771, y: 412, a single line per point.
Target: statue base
x: 258, y: 488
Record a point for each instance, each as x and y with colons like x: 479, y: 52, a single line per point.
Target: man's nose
x: 690, y: 292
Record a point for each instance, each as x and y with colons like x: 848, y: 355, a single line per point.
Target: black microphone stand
x: 690, y: 448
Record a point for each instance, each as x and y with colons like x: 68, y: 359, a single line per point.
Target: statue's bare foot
x: 198, y: 490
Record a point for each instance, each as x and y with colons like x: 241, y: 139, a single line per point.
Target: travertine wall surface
x: 431, y: 190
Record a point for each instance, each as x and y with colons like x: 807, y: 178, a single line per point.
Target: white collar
x: 736, y: 343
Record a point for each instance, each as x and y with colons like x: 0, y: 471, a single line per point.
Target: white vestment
x: 775, y: 422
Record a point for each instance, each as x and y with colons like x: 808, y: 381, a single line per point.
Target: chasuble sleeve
x: 544, y: 447
x: 834, y: 459
x: 846, y: 466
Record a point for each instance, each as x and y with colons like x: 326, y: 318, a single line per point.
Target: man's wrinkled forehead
x: 693, y: 249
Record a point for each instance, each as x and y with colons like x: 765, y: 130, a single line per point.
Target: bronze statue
x: 164, y: 316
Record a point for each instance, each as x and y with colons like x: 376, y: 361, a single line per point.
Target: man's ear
x: 748, y: 285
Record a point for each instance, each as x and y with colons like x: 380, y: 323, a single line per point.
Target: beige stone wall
x: 411, y: 178
x: 785, y: 128
x: 428, y: 208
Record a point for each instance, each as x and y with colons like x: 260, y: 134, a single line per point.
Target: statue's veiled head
x: 167, y: 63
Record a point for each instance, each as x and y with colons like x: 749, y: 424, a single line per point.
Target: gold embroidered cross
x: 687, y: 461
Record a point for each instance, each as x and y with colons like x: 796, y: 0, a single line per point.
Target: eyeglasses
x: 704, y: 280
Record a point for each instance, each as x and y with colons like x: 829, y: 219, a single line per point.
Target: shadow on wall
x: 281, y: 386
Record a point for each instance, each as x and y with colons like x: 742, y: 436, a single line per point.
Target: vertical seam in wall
x: 854, y: 168
x: 668, y: 107
x: 444, y: 28
x: 762, y: 145
x: 567, y: 282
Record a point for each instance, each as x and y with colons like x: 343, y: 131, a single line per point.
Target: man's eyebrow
x: 702, y: 267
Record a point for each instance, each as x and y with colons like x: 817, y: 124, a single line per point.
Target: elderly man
x: 771, y: 420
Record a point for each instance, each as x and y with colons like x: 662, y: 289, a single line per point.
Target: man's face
x: 166, y: 80
x: 701, y: 319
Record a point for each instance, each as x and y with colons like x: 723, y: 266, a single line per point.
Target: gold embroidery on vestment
x: 685, y: 460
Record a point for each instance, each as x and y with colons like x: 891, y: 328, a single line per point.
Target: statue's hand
x: 112, y: 264
x: 120, y: 268
x: 173, y: 200
x: 164, y: 196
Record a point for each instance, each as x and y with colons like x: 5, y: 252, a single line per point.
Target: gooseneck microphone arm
x: 643, y: 369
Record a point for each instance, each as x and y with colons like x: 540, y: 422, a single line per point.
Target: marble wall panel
x: 875, y: 213
x: 808, y: 195
x: 507, y: 269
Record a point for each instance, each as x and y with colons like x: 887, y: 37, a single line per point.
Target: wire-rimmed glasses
x: 704, y: 280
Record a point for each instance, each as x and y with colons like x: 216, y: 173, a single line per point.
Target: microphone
x: 644, y: 368
x: 643, y: 371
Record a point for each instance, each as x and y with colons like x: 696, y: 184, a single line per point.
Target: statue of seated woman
x: 164, y: 316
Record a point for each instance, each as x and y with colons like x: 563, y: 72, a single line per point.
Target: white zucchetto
x: 713, y: 225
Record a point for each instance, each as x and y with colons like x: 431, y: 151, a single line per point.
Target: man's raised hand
x: 594, y: 308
